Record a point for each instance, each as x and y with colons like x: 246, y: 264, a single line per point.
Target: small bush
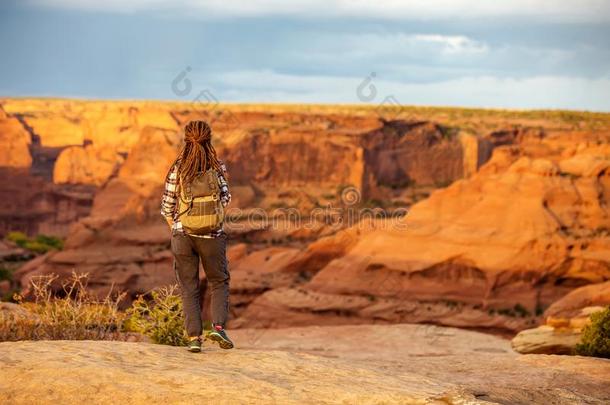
x: 595, y: 340
x: 50, y: 241
x: 161, y: 318
x: 19, y: 238
x: 40, y: 244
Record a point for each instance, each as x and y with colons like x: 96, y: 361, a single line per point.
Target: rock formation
x: 492, y: 250
x: 84, y: 142
x: 565, y: 320
x: 86, y: 165
x: 572, y: 304
x: 15, y: 141
x: 523, y: 222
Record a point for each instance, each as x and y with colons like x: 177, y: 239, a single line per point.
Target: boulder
x: 546, y: 339
x: 559, y: 335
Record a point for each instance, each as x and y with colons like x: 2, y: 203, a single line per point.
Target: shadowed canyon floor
x: 406, y: 364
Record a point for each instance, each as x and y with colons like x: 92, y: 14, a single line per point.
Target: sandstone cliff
x: 312, y: 153
x: 523, y: 222
x: 493, y: 251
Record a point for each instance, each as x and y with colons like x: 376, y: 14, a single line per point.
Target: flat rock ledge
x: 392, y: 364
x: 141, y: 373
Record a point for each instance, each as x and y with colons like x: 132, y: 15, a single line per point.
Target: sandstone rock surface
x: 515, y: 240
x: 375, y: 364
x: 546, y: 339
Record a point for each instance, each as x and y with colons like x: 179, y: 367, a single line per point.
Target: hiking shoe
x: 194, y: 345
x: 219, y: 335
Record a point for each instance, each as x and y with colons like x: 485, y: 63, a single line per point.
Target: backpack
x: 199, y: 207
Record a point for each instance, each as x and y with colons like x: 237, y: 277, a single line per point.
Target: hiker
x: 196, y: 193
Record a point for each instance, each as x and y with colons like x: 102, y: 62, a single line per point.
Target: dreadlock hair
x: 197, y: 153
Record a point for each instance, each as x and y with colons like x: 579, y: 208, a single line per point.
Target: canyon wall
x: 504, y: 216
x: 61, y: 143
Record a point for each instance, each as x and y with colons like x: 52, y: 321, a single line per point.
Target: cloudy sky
x: 501, y: 53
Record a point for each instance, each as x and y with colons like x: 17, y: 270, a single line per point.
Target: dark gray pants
x: 188, y: 250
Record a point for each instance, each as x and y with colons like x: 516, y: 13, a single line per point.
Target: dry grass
x: 75, y: 316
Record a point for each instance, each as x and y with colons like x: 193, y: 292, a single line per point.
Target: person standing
x: 196, y: 193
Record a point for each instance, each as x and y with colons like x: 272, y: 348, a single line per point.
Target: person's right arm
x: 225, y: 194
x: 170, y: 196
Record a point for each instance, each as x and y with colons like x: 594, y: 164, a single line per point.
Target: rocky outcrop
x: 557, y: 336
x: 62, y: 123
x: 546, y: 339
x: 572, y: 304
x: 15, y: 141
x: 31, y: 205
x: 490, y: 251
x: 406, y: 153
x: 274, y: 160
x: 565, y: 320
x: 86, y: 165
x: 523, y: 236
x: 123, y: 242
x: 66, y: 148
x: 400, y: 364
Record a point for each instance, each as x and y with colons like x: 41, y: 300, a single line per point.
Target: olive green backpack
x: 199, y: 206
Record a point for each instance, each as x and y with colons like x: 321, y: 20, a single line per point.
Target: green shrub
x: 595, y: 340
x: 19, y: 238
x: 160, y: 318
x: 51, y: 241
x: 36, y: 247
x: 39, y: 244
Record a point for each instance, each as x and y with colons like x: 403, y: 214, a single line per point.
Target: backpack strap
x: 187, y: 191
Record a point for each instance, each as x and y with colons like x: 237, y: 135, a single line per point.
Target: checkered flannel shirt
x: 169, y: 201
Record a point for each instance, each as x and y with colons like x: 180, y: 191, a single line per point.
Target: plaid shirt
x: 169, y: 202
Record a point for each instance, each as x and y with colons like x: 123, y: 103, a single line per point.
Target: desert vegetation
x: 38, y: 244
x: 595, y: 339
x: 76, y: 314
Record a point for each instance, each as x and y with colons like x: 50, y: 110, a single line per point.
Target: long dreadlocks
x: 197, y: 153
